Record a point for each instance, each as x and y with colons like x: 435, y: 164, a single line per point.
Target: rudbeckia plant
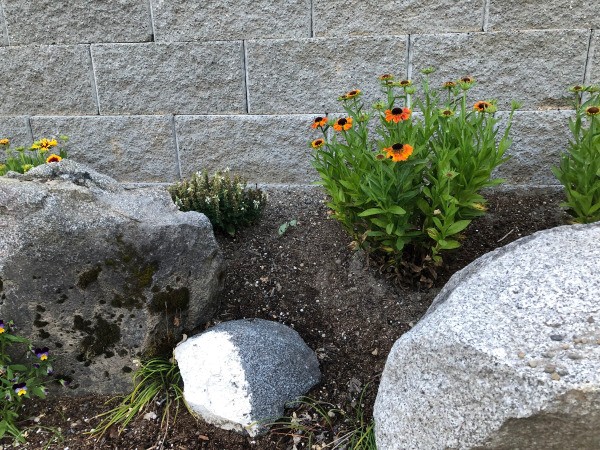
x: 579, y: 168
x: 407, y: 184
x: 21, y: 159
x: 19, y: 380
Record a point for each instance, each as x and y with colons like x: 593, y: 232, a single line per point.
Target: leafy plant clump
x: 19, y: 381
x: 579, y: 168
x: 223, y: 198
x: 22, y: 160
x: 157, y: 380
x: 409, y: 193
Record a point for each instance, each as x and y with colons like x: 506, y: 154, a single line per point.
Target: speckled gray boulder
x: 101, y: 274
x: 508, y: 355
x: 240, y: 374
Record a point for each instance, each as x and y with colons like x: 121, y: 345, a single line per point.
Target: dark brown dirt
x: 309, y: 279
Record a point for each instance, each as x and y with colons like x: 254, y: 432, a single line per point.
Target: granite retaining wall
x: 153, y: 90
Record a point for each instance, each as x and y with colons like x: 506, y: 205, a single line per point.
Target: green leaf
x: 448, y: 244
x: 397, y: 210
x: 433, y: 233
x: 457, y: 227
x: 371, y: 212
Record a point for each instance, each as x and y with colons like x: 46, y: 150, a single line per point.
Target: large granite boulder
x: 508, y: 355
x: 101, y: 274
x: 240, y: 374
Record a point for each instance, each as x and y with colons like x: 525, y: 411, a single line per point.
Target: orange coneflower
x: 386, y: 77
x: 348, y: 95
x: 398, y: 152
x: 343, y: 124
x: 319, y: 122
x: 4, y: 141
x: 482, y: 106
x: 53, y: 158
x: 592, y: 111
x: 449, y: 84
x: 404, y: 83
x: 317, y: 143
x: 397, y: 114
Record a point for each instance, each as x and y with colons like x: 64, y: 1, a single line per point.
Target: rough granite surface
x: 395, y: 17
x: 100, y: 274
x: 269, y: 149
x: 538, y: 140
x: 533, y: 14
x: 77, y: 21
x: 507, y: 356
x: 16, y: 130
x: 308, y: 75
x: 181, y: 20
x: 240, y: 374
x: 130, y: 148
x: 508, y: 66
x: 33, y: 80
x: 170, y: 78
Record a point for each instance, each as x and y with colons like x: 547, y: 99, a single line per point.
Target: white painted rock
x: 240, y: 374
x: 507, y: 357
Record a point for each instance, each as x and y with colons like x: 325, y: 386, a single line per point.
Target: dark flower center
x: 318, y: 119
x: 397, y: 111
x: 353, y: 93
x: 342, y: 122
x: 593, y: 110
x: 397, y: 147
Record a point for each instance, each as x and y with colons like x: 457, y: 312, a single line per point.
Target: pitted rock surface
x: 100, y: 274
x: 507, y: 356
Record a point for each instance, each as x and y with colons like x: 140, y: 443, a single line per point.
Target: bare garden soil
x: 308, y: 278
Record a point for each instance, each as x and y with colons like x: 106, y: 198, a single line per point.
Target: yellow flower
x: 386, y: 77
x: 446, y: 113
x: 343, y: 124
x: 404, y: 83
x: 592, y: 111
x: 317, y: 143
x: 4, y: 141
x: 53, y: 158
x: 398, y: 152
x: 348, y: 95
x: 26, y: 167
x: 449, y: 85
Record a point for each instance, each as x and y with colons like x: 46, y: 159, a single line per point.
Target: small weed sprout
x: 284, y: 226
x: 157, y: 379
x: 22, y: 160
x: 19, y: 381
x: 223, y: 198
x: 579, y: 168
x: 409, y: 194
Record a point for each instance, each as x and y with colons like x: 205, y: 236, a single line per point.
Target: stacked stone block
x: 153, y: 90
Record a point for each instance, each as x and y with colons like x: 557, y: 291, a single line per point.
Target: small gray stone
x: 557, y: 337
x: 77, y: 21
x: 170, y: 78
x: 41, y: 85
x: 550, y: 368
x: 533, y: 363
x: 239, y: 375
x: 549, y: 355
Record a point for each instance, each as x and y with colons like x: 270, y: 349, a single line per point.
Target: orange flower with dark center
x: 449, y: 84
x: 592, y: 111
x: 4, y: 141
x: 467, y: 79
x: 397, y: 114
x: 53, y: 158
x: 319, y: 122
x: 398, y: 152
x: 353, y: 93
x: 317, y: 143
x: 482, y: 106
x: 343, y: 124
x: 387, y: 76
x: 404, y: 83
